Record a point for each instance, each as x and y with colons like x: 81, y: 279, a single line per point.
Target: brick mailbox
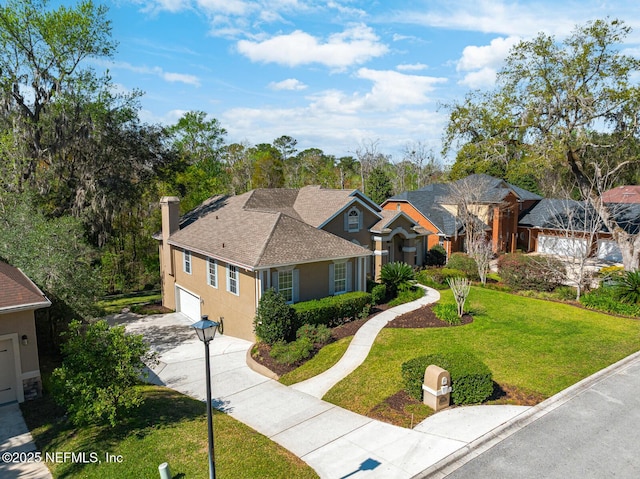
x: 436, y: 389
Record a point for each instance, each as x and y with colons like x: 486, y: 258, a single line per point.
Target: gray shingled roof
x: 261, y: 228
x: 561, y: 214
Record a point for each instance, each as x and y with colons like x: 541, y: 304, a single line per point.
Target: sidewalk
x: 16, y: 438
x: 360, y: 346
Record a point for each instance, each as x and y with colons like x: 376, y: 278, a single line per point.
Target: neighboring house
x: 495, y: 203
x: 306, y: 243
x: 622, y: 194
x: 19, y: 364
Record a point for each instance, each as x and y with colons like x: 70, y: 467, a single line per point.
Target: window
x: 186, y: 261
x: 232, y: 279
x: 285, y: 285
x: 340, y: 278
x: 212, y: 273
x: 353, y: 220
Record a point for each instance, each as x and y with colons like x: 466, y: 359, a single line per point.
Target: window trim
x: 214, y: 263
x: 289, y: 272
x: 187, y: 265
x: 358, y: 216
x: 233, y: 280
x: 335, y: 278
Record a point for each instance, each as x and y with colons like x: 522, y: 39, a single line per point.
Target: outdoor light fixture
x: 206, y: 331
x: 25, y: 340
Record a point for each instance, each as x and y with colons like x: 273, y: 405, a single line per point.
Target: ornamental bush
x: 396, y: 276
x: 379, y: 293
x: 291, y: 353
x: 317, y: 334
x: 436, y: 256
x: 470, y: 378
x: 101, y: 366
x: 605, y: 299
x: 628, y: 287
x: 464, y: 263
x: 447, y: 312
x: 332, y: 310
x: 275, y: 320
x: 523, y: 272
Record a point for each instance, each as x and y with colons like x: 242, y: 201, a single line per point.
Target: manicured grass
x: 114, y: 304
x: 168, y: 427
x: 535, y: 345
x: 325, y: 359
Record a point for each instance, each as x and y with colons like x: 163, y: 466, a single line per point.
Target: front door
x: 8, y: 392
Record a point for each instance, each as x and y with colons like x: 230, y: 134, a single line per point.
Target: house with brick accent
x: 495, y: 203
x: 306, y: 243
x: 19, y: 363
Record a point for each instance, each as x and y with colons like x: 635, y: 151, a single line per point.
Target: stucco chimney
x: 170, y: 207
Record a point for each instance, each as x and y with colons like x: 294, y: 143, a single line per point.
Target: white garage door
x: 8, y: 391
x: 188, y: 304
x: 562, y: 246
x: 608, y: 250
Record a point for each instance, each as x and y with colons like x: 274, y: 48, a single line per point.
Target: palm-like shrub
x: 628, y: 287
x: 396, y: 276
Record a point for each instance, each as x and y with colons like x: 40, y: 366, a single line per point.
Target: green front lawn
x: 115, y: 303
x: 168, y: 427
x: 533, y: 345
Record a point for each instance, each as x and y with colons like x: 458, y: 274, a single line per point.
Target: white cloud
x: 483, y: 62
x: 171, y: 77
x: 390, y: 91
x: 226, y: 7
x: 405, y: 67
x: 355, y: 45
x: 288, y: 84
x: 492, y: 55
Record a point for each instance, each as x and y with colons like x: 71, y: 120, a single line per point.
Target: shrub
x: 522, y: 272
x: 465, y: 263
x: 436, y: 256
x: 407, y: 296
x: 291, y: 353
x: 565, y: 293
x: 332, y: 310
x: 605, y: 299
x: 437, y: 277
x: 447, y: 312
x: 101, y: 366
x: 275, y: 320
x: 317, y: 334
x: 379, y: 293
x: 396, y: 275
x: 628, y: 287
x: 495, y: 277
x: 470, y: 378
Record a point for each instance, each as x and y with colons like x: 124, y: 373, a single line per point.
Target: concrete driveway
x: 337, y: 443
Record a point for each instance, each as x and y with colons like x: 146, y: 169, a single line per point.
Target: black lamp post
x: 206, y: 331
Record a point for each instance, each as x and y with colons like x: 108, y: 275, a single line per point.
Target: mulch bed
x: 424, y: 317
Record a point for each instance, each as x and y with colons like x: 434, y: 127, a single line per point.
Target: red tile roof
x: 18, y: 292
x: 622, y: 194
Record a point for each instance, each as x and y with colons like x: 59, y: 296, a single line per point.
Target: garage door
x: 562, y: 246
x: 8, y: 391
x: 188, y: 304
x: 608, y: 250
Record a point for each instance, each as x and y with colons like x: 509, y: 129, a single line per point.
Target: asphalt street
x: 595, y: 434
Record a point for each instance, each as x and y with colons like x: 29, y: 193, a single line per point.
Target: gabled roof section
x: 18, y: 292
x: 257, y: 229
x: 388, y: 218
x: 493, y: 190
x: 562, y: 214
x: 317, y: 205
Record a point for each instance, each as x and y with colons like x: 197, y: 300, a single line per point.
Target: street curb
x: 475, y: 448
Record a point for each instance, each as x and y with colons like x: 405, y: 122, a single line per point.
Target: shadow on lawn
x: 161, y: 409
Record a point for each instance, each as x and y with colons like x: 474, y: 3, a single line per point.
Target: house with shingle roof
x: 19, y: 364
x: 496, y: 203
x: 307, y: 243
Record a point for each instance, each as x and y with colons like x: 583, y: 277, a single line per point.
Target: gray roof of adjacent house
x: 266, y: 227
x: 429, y: 199
x: 627, y: 215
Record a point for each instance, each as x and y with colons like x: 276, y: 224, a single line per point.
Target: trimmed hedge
x: 523, y: 272
x: 437, y: 277
x: 605, y: 299
x: 470, y: 378
x: 465, y: 263
x: 379, y: 293
x: 332, y: 310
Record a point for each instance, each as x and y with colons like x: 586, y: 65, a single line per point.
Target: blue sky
x: 335, y: 75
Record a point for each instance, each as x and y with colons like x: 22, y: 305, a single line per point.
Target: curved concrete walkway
x: 360, y: 346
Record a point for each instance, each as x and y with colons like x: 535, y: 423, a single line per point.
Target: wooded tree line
x: 82, y: 174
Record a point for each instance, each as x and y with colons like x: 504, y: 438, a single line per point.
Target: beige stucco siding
x: 21, y: 323
x: 363, y: 237
x: 238, y: 310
